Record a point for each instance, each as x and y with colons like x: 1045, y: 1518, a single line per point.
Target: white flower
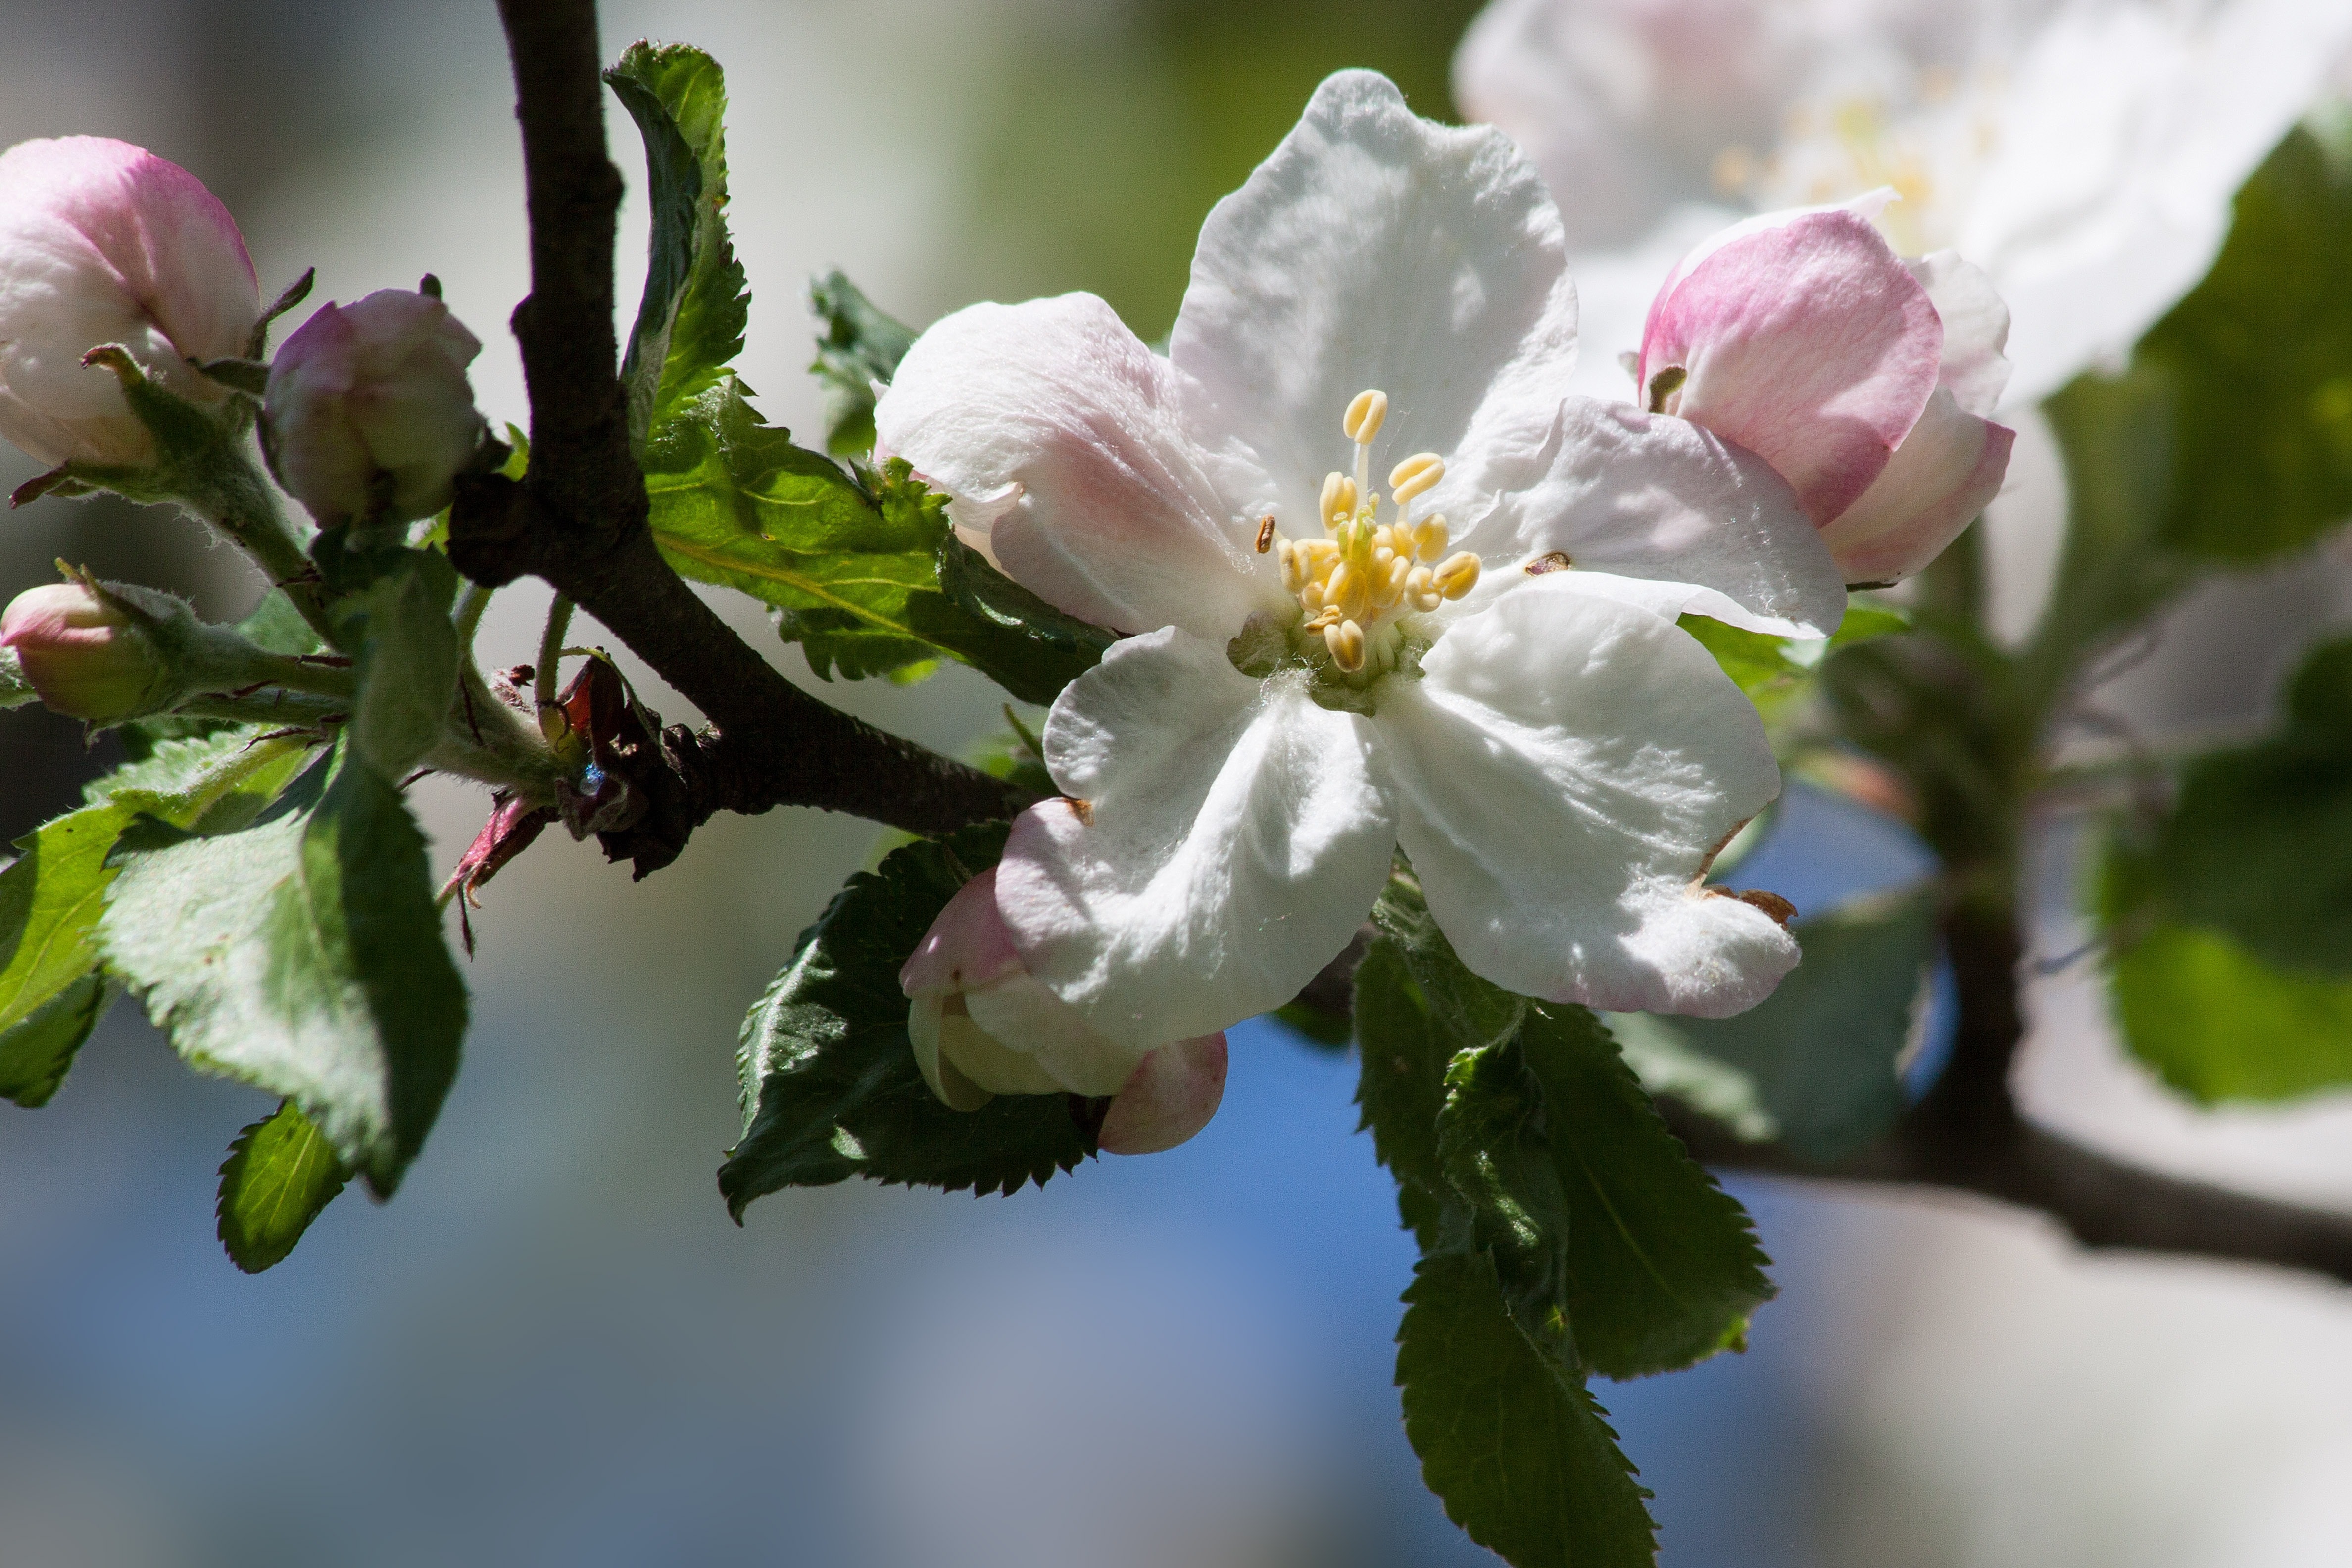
x: 369, y: 414
x: 102, y: 242
x: 2082, y: 153
x: 1484, y: 669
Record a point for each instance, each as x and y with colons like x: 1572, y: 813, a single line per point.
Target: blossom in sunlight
x: 1481, y: 666
x: 2084, y: 152
x: 982, y: 1026
x: 369, y: 414
x: 84, y: 655
x: 102, y: 242
x: 1863, y: 380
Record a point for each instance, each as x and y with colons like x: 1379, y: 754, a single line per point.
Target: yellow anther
x: 1415, y: 475
x: 1388, y: 587
x: 1293, y: 570
x: 1322, y: 618
x: 1347, y: 589
x: 1430, y: 538
x: 1338, y: 501
x: 1310, y: 595
x: 1421, y: 590
x: 1365, y: 416
x: 1345, y: 641
x: 1456, y: 575
x: 1381, y: 556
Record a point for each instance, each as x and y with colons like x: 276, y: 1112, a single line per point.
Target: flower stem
x: 242, y: 504
x: 551, y: 657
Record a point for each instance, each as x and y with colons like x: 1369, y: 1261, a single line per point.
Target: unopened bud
x: 369, y: 414
x: 87, y: 658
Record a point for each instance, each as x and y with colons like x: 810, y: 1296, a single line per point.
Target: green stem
x: 544, y: 674
x: 276, y: 708
x: 244, y: 505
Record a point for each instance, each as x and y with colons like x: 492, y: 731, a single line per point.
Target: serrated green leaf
x: 51, y: 995
x: 2219, y: 1025
x: 16, y: 690
x: 1402, y: 1086
x: 853, y: 574
x: 1813, y: 1065
x: 859, y: 346
x: 302, y: 954
x: 405, y: 650
x: 1517, y: 1446
x: 1494, y: 1143
x: 2259, y: 355
x: 1467, y: 1011
x: 830, y: 1086
x: 1662, y: 1265
x: 1043, y: 650
x: 690, y: 323
x: 1774, y: 671
x: 280, y: 1173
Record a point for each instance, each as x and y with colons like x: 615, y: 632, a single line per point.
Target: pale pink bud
x: 370, y: 413
x: 1861, y: 379
x: 981, y: 1025
x: 102, y: 242
x: 85, y: 657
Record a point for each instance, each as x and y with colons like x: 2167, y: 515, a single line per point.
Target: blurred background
x: 553, y: 1348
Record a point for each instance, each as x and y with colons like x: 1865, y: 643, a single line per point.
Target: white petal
x: 1024, y: 1017
x: 1171, y: 1095
x: 1054, y: 428
x: 1563, y: 770
x: 1375, y: 249
x: 1649, y: 496
x: 985, y: 1064
x: 1976, y: 329
x: 1227, y: 838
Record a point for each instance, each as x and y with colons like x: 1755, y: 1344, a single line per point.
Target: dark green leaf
x: 858, y: 347
x: 2261, y: 359
x: 1403, y: 1085
x: 1775, y: 671
x: 405, y: 647
x: 1042, y: 649
x: 1813, y: 1065
x: 304, y: 956
x: 830, y: 1086
x: 2221, y: 1025
x: 280, y: 1174
x: 690, y: 323
x: 51, y: 994
x: 1662, y: 1265
x: 852, y: 574
x: 1514, y: 1444
x: 1497, y: 1155
x: 1468, y: 1012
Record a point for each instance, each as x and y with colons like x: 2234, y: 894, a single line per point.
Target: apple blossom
x: 2083, y: 154
x: 1483, y: 669
x: 102, y: 242
x: 1863, y: 380
x: 981, y: 1025
x: 369, y: 412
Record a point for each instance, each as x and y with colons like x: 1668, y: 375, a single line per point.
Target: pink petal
x: 1170, y: 1095
x: 1808, y: 343
x: 967, y: 945
x: 1948, y: 468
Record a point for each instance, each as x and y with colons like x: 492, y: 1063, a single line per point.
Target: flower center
x: 1356, y: 583
x: 1931, y: 143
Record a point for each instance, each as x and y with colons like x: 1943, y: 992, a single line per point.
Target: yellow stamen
x: 1415, y: 475
x: 1365, y: 416
x: 1456, y: 575
x: 1293, y: 570
x: 1345, y: 641
x: 1430, y: 538
x: 1338, y: 502
x: 1420, y: 590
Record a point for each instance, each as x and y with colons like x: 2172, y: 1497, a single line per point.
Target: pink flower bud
x: 370, y: 413
x: 1861, y: 379
x: 102, y: 242
x: 85, y: 657
x: 982, y: 1026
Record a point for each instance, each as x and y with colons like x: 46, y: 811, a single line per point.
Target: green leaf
x: 2258, y: 845
x: 858, y: 347
x: 1402, y: 1089
x: 1515, y: 1444
x: 302, y: 954
x: 1663, y: 1266
x: 852, y: 572
x: 830, y: 1086
x: 1775, y: 671
x: 2260, y: 356
x: 1494, y: 1146
x: 16, y: 690
x: 2219, y: 1025
x: 280, y: 1174
x: 51, y: 995
x: 1468, y: 1012
x: 692, y: 321
x: 405, y: 647
x: 1813, y: 1065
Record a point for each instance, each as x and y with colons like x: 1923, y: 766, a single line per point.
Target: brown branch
x: 578, y: 518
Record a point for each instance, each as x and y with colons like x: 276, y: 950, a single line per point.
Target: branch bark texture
x: 578, y: 518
